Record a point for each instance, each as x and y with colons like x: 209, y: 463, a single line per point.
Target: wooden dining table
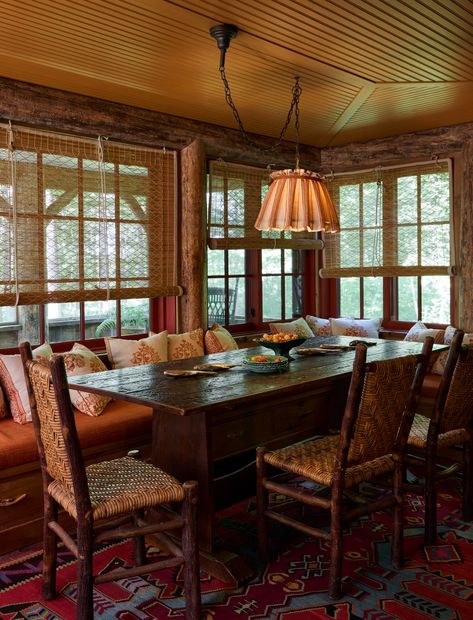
x: 206, y: 427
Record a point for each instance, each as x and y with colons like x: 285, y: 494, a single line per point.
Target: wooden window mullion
x: 80, y: 207
x: 41, y: 241
x: 116, y: 191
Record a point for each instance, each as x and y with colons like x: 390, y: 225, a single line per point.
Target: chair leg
x: 262, y: 504
x: 191, y: 552
x: 139, y: 548
x: 398, y: 526
x: 467, y: 500
x: 336, y: 545
x: 85, y: 577
x: 50, y: 540
x: 430, y: 498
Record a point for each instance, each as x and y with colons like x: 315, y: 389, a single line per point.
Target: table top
x: 148, y: 385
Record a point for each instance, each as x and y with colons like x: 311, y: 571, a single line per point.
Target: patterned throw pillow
x: 218, y: 339
x: 183, y: 346
x: 419, y: 332
x: 441, y: 360
x: 13, y: 382
x: 82, y: 361
x: 439, y: 364
x: 299, y: 327
x: 123, y: 353
x: 450, y: 332
x: 368, y: 328
x: 319, y: 327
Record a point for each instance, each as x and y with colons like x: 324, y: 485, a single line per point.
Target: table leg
x: 181, y: 447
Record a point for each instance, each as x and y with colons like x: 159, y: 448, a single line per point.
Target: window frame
x: 254, y: 289
x: 330, y: 287
x: 162, y: 316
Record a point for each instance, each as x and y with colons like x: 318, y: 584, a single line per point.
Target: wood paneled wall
x: 454, y: 142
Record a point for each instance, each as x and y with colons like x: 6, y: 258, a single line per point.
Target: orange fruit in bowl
x: 258, y: 358
x: 280, y: 337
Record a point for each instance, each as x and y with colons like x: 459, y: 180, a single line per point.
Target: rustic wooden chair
x: 371, y: 443
x: 433, y: 442
x: 108, y: 500
x: 217, y: 300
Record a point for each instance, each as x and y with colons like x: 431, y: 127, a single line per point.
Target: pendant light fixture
x: 297, y: 200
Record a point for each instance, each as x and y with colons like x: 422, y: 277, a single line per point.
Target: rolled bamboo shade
x: 84, y: 219
x: 236, y: 192
x: 393, y: 222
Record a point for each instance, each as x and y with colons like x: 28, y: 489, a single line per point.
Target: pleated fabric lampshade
x: 298, y: 200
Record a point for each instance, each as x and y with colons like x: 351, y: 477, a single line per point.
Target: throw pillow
x: 450, y: 332
x: 13, y: 382
x: 319, y: 327
x: 183, y: 346
x: 299, y: 327
x: 419, y: 332
x: 441, y: 360
x: 368, y: 328
x: 81, y: 361
x: 123, y: 353
x: 218, y: 339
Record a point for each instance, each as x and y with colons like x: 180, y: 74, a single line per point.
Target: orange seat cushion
x: 120, y: 420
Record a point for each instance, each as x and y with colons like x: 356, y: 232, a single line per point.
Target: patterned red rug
x: 436, y: 582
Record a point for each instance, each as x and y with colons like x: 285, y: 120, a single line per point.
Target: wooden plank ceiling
x: 368, y: 68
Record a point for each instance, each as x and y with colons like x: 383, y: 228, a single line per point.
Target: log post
x: 466, y: 242
x: 192, y: 264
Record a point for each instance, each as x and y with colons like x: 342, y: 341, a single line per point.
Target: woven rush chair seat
x: 109, y: 500
x: 316, y: 460
x: 433, y: 441
x: 380, y: 405
x: 120, y: 486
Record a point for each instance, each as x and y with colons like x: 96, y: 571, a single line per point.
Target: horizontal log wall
x: 49, y: 108
x: 454, y: 142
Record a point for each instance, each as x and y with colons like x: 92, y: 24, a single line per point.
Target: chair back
x: 458, y: 409
x: 54, y: 423
x: 385, y: 396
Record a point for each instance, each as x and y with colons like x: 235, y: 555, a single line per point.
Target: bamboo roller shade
x: 394, y: 222
x: 236, y: 192
x: 77, y: 226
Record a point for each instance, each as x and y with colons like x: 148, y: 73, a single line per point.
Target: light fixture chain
x: 294, y: 108
x: 296, y: 94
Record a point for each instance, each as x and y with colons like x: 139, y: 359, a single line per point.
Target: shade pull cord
x: 103, y: 224
x: 13, y: 250
x: 376, y: 238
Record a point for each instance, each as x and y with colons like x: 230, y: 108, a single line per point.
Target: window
x: 87, y: 236
x: 392, y: 257
x: 253, y: 277
x: 254, y: 286
x: 282, y: 273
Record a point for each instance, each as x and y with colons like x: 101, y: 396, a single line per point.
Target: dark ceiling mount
x: 223, y: 34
